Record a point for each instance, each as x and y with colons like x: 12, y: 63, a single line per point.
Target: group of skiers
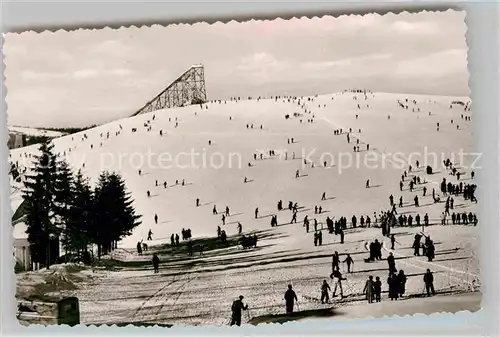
x: 460, y: 218
x: 428, y: 248
x: 375, y: 249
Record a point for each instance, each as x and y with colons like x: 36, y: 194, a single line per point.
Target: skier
x: 290, y: 298
x: 377, y: 286
x: 323, y: 197
x: 338, y: 283
x: 227, y: 211
x: 214, y: 211
x: 156, y: 262
x: 416, y: 245
x: 392, y: 263
x: 401, y: 280
x: 429, y: 283
x: 197, y: 202
x: 236, y: 311
x: 349, y: 261
x: 324, y: 292
x: 430, y: 251
x: 393, y: 286
x: 369, y: 289
x: 240, y: 228
x: 335, y: 261
x: 156, y: 218
x: 150, y: 233
x: 256, y: 213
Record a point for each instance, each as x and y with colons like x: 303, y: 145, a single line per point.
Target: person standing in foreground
x: 290, y: 298
x: 429, y: 283
x: 324, y: 292
x: 156, y: 263
x: 236, y: 311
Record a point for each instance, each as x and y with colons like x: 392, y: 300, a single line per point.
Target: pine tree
x: 41, y: 209
x: 115, y: 216
x: 63, y: 193
x: 76, y: 233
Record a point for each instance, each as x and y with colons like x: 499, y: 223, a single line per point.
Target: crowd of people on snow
x: 385, y: 219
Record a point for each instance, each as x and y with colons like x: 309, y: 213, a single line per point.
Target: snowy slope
x: 271, y: 179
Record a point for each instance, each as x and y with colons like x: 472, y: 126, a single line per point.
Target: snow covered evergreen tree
x: 41, y: 209
x: 76, y: 232
x: 114, y: 215
x: 63, y: 193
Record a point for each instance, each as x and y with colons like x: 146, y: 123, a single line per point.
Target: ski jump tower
x: 187, y: 89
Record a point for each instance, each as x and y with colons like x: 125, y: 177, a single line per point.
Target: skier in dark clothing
x: 430, y: 251
x: 335, y: 261
x: 401, y: 280
x: 349, y: 262
x: 416, y: 245
x: 393, y: 286
x: 393, y: 239
x: 324, y: 292
x: 429, y: 283
x: 156, y: 218
x: 377, y: 285
x: 290, y: 298
x: 392, y: 263
x: 236, y: 311
x: 156, y: 262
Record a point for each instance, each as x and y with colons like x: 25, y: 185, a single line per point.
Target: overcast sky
x: 84, y: 77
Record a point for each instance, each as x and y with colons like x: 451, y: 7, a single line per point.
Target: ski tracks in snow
x: 471, y: 283
x: 151, y: 308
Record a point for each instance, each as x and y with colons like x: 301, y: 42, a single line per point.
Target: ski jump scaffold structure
x: 187, y: 89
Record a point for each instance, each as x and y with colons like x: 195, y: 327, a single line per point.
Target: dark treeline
x: 61, y: 206
x: 71, y: 130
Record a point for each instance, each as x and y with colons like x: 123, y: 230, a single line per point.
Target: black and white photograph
x: 234, y: 173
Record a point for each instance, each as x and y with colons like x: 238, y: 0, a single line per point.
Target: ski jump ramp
x: 187, y: 89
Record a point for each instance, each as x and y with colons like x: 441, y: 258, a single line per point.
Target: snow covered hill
x: 35, y: 132
x: 215, y: 174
